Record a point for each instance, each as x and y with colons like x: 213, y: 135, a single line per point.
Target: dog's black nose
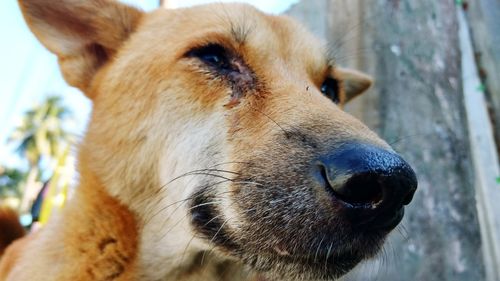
x: 373, y: 183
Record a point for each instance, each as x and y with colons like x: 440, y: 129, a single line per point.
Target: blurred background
x: 436, y: 101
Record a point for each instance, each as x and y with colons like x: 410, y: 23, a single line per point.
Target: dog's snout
x: 372, y: 183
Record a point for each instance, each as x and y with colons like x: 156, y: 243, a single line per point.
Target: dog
x: 217, y: 150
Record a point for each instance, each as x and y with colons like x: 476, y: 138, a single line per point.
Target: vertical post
x: 484, y: 20
x: 484, y: 154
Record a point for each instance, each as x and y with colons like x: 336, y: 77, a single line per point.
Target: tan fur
x: 155, y: 117
x: 96, y: 239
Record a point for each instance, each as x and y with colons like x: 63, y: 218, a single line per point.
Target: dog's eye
x: 213, y: 55
x: 330, y: 88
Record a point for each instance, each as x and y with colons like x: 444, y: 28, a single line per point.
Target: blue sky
x: 29, y: 73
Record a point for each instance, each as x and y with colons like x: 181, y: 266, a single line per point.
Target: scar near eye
x: 226, y: 64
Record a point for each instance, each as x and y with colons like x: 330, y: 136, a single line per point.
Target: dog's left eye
x: 330, y: 88
x: 213, y: 55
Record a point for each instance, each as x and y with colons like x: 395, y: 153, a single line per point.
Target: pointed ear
x: 83, y: 34
x: 354, y: 82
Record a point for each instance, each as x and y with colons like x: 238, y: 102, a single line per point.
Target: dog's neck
x: 99, y: 234
x: 150, y: 247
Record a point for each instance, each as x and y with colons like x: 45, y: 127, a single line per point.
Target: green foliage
x: 41, y: 132
x: 11, y: 181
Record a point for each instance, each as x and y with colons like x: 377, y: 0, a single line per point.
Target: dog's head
x: 224, y: 125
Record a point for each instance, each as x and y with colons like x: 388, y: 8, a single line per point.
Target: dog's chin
x: 306, y: 268
x: 325, y: 264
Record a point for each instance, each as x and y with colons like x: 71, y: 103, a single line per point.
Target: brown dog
x: 217, y: 150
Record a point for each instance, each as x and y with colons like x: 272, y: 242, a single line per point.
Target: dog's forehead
x: 241, y: 25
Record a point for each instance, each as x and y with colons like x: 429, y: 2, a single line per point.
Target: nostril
x: 359, y: 190
x: 364, y: 189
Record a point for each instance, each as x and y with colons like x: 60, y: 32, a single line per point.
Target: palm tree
x: 40, y: 135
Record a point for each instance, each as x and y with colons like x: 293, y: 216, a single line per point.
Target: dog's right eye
x: 330, y: 88
x: 213, y: 55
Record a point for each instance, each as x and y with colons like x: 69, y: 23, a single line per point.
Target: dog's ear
x: 84, y: 34
x: 354, y: 82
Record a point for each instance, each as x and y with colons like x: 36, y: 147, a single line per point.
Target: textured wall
x: 411, y: 48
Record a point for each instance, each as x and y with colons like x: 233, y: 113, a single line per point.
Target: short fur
x: 187, y: 173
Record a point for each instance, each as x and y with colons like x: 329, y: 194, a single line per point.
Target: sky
x: 29, y: 73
